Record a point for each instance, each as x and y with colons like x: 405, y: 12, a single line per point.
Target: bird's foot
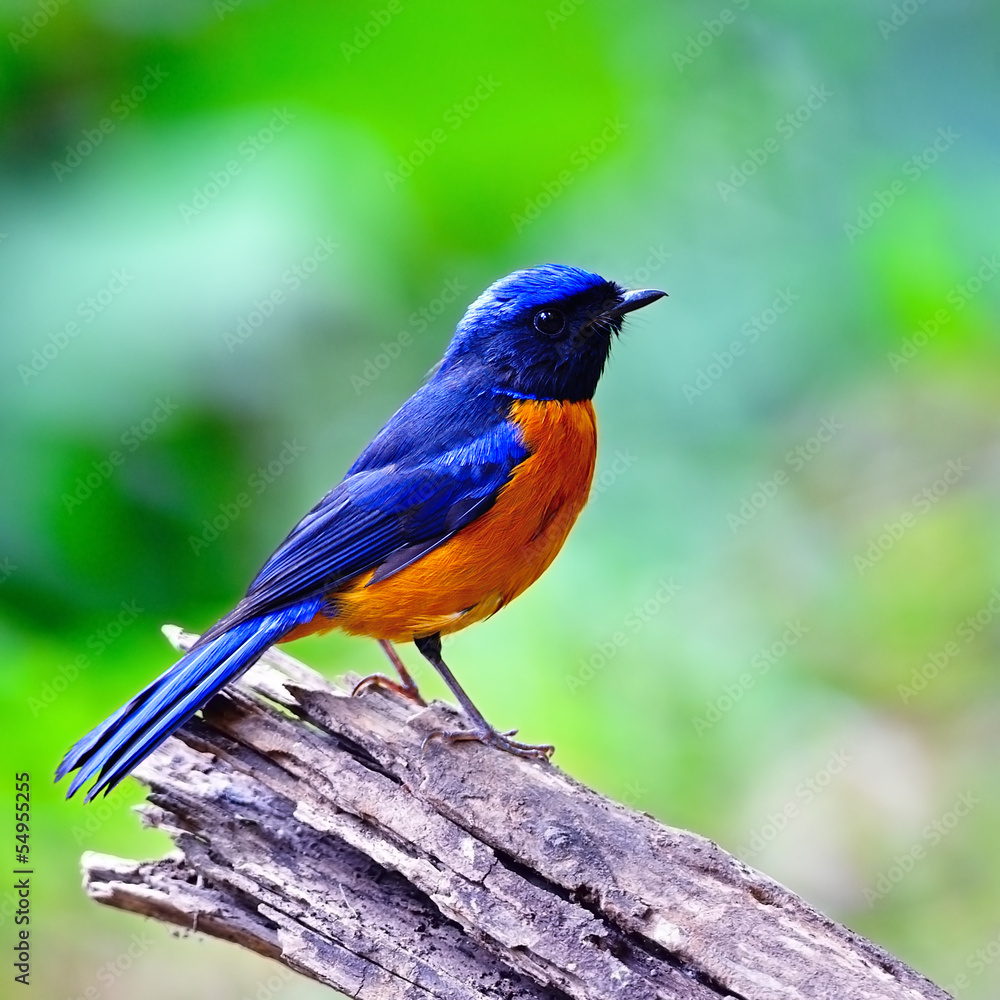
x: 408, y: 691
x: 492, y: 738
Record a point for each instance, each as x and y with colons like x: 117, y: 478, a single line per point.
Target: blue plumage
x: 498, y: 337
x: 440, y: 461
x: 438, y: 464
x: 137, y: 728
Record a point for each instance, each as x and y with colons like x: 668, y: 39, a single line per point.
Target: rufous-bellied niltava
x: 457, y: 506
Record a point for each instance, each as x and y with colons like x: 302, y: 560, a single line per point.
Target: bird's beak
x: 635, y: 299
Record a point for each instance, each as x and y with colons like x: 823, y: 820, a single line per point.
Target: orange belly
x: 496, y: 557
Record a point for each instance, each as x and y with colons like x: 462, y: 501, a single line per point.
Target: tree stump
x: 311, y: 827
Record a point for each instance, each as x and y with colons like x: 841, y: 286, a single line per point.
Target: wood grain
x: 312, y: 828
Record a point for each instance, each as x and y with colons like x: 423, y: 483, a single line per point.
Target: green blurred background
x: 748, y: 633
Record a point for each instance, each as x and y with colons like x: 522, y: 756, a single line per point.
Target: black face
x: 543, y: 333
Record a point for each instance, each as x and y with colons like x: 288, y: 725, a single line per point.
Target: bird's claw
x: 492, y: 738
x: 408, y: 691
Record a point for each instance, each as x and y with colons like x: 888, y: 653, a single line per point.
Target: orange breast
x: 499, y: 555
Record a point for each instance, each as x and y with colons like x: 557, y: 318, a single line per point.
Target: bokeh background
x: 776, y: 623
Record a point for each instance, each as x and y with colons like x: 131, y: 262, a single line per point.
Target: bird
x: 458, y: 504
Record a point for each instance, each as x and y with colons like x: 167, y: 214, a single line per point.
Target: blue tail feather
x: 134, y: 731
x: 176, y: 687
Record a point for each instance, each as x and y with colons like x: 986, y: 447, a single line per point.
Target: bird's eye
x: 550, y: 322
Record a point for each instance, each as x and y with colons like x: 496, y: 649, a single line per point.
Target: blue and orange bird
x: 458, y: 505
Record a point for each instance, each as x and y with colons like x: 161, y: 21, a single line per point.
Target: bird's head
x: 544, y: 332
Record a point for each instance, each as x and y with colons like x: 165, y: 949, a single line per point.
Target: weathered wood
x: 312, y: 828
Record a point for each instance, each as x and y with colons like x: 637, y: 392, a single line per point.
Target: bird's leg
x: 482, y: 731
x: 408, y: 687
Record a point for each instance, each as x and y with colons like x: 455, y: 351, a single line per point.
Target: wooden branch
x: 313, y: 829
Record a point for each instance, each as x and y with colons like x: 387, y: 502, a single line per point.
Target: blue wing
x: 436, y: 466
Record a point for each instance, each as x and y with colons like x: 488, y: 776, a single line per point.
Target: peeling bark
x: 312, y: 828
